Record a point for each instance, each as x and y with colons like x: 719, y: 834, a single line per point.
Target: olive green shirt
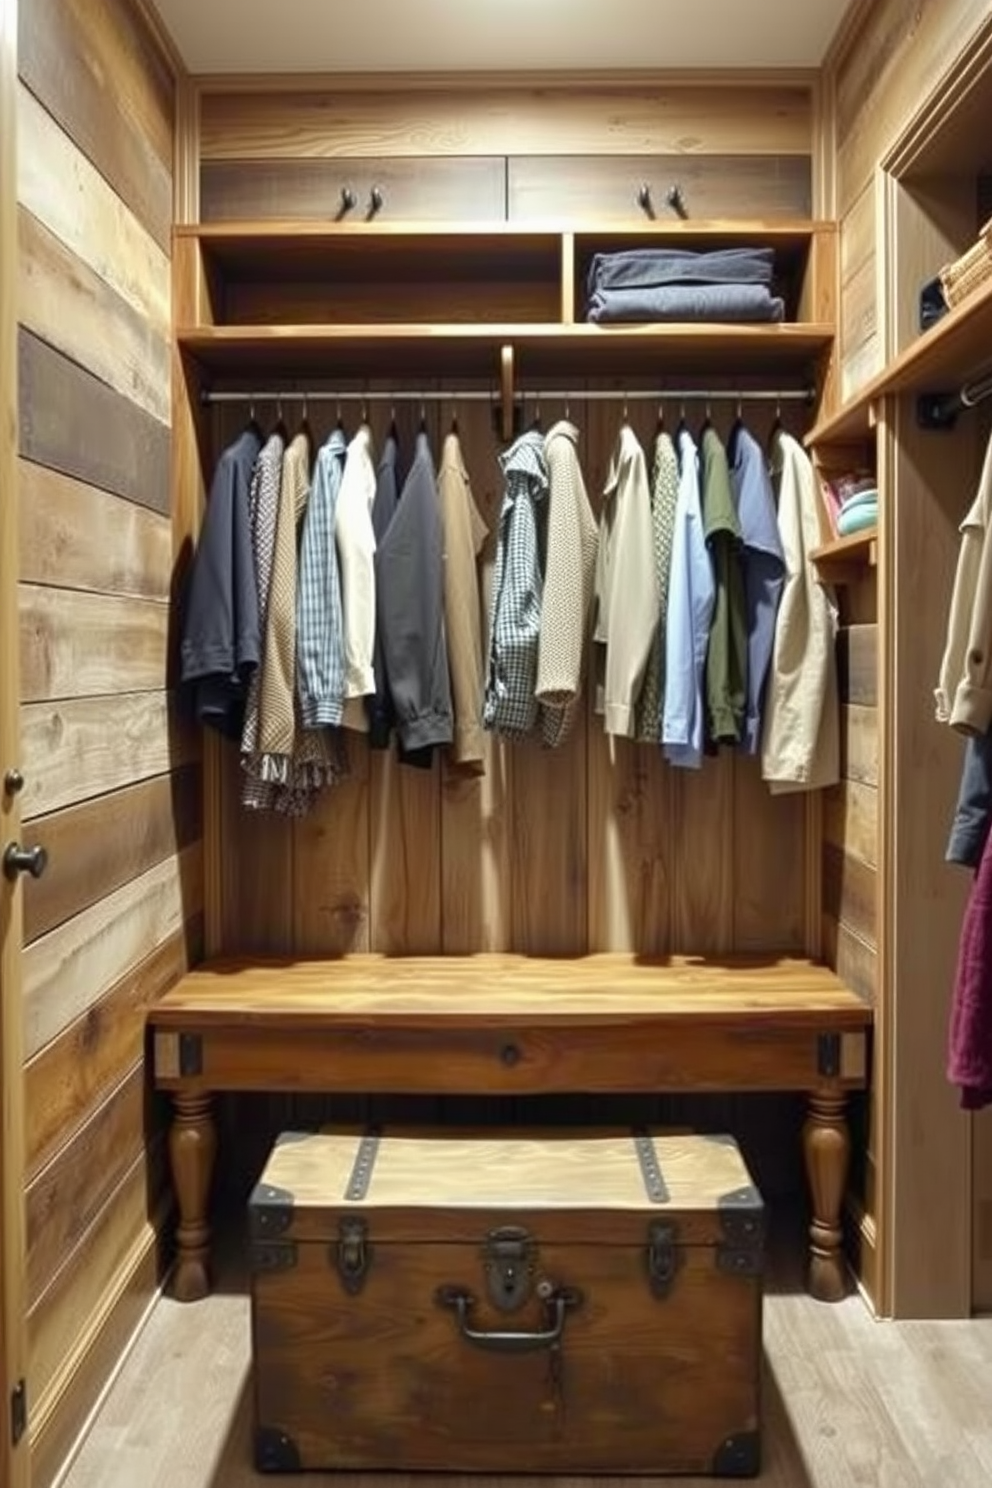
x: 726, y: 656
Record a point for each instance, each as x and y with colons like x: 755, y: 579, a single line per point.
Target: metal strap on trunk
x: 361, y: 1173
x: 654, y: 1184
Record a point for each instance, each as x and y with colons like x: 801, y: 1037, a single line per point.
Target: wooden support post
x: 192, y: 1149
x: 827, y: 1149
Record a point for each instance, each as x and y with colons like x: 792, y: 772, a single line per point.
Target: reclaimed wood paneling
x: 896, y: 59
x: 428, y: 189
x: 65, y: 1198
x: 59, y: 186
x: 61, y: 1412
x: 859, y: 743
x: 702, y: 858
x: 63, y: 1312
x: 404, y: 855
x: 669, y: 119
x: 596, y: 187
x: 629, y: 870
x: 98, y: 846
x: 70, y: 968
x: 75, y: 644
x: 78, y: 537
x: 850, y: 820
x: 114, y: 98
x: 768, y: 848
x: 331, y: 913
x: 72, y: 422
x: 85, y: 746
x: 67, y: 1079
x: 66, y: 303
x: 855, y: 962
x: 857, y: 664
x: 850, y: 892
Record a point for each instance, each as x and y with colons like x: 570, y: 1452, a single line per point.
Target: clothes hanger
x: 305, y: 422
x: 280, y: 427
x: 536, y: 420
x: 707, y: 421
x: 735, y: 431
x: 254, y: 427
x: 777, y: 427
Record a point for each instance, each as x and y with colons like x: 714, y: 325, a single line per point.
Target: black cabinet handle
x: 376, y: 200
x: 348, y: 200
x: 18, y: 859
x: 13, y: 781
x: 644, y: 199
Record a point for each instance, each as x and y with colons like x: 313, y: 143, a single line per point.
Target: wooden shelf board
x: 956, y: 350
x: 858, y: 548
x: 271, y: 232
x: 541, y: 349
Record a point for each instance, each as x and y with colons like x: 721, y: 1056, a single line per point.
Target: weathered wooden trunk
x: 555, y: 1303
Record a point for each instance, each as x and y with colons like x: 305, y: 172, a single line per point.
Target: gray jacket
x: 410, y: 606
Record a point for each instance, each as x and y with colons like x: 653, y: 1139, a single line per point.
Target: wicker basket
x: 965, y: 274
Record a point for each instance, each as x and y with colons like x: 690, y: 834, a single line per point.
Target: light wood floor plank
x: 848, y: 1402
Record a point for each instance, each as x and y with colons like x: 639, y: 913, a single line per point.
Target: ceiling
x: 497, y: 35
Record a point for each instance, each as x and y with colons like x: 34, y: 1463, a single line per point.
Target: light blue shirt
x: 691, y: 595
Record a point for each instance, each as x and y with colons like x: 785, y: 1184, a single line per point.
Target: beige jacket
x: 801, y: 733
x: 465, y: 534
x: 964, y: 688
x: 569, y: 573
x: 627, y: 599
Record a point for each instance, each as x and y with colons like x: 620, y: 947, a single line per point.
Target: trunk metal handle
x: 510, y: 1341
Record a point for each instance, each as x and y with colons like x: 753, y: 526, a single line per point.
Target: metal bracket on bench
x: 190, y: 1055
x: 828, y: 1055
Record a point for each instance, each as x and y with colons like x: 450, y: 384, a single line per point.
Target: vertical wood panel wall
x: 890, y: 64
x: 112, y: 789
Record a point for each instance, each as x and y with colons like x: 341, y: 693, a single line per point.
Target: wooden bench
x: 511, y: 1025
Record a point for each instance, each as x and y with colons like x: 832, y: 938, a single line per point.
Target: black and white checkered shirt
x: 510, y: 706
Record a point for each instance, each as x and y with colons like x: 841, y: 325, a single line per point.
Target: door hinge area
x: 18, y: 1411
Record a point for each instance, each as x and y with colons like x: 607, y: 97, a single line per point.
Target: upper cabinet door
x: 633, y: 188
x: 380, y: 189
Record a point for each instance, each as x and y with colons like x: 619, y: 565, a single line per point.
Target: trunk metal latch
x: 353, y: 1254
x: 509, y: 1256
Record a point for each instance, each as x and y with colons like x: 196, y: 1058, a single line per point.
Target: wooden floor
x: 848, y: 1402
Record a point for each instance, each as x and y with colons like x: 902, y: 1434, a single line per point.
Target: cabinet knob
x: 18, y: 859
x: 376, y: 200
x: 348, y: 199
x: 510, y: 1055
x: 675, y: 199
x: 13, y: 782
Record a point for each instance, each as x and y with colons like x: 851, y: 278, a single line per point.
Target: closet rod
x: 450, y: 395
x: 940, y: 410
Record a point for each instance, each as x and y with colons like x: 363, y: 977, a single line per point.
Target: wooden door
x: 14, y: 1465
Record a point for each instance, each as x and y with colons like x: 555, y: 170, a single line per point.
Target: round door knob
x: 18, y: 859
x: 13, y: 781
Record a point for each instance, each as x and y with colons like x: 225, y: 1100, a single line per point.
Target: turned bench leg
x: 192, y: 1149
x: 827, y: 1149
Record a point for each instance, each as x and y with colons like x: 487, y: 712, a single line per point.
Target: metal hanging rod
x: 940, y: 410
x: 577, y: 395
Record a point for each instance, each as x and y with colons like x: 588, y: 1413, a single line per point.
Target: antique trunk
x: 507, y: 1303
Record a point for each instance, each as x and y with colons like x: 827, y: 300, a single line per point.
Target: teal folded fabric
x: 857, y: 520
x: 867, y: 497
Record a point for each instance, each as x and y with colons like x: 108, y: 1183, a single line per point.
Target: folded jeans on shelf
x: 687, y: 302
x: 644, y: 268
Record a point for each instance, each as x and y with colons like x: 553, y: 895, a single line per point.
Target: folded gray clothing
x: 642, y: 268
x: 700, y: 302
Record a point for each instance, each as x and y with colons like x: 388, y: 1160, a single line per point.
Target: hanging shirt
x: 265, y: 483
x: 569, y: 577
x: 380, y: 704
x: 411, y: 611
x: 964, y: 688
x: 356, y: 560
x: 626, y: 584
x: 221, y: 638
x: 464, y: 534
x: 664, y: 499
x: 510, y: 706
x: 726, y: 652
x: 801, y: 736
x: 276, y: 721
x: 319, y: 617
x: 764, y: 570
x: 691, y: 597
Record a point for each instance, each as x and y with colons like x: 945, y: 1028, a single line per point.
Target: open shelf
x: 859, y: 550
x: 955, y: 351
x: 540, y: 350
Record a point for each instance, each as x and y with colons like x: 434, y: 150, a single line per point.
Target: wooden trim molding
x: 14, y: 1461
x: 476, y: 81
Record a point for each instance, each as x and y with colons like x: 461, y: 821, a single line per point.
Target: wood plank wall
x: 891, y: 63
x: 440, y: 150
x: 112, y: 786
